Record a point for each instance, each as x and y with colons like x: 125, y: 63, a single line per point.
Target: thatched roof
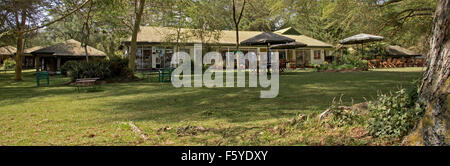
x: 292, y: 45
x: 288, y: 31
x: 68, y: 48
x: 32, y: 49
x: 267, y: 38
x: 157, y: 35
x: 8, y: 50
x: 400, y: 51
x: 361, y: 38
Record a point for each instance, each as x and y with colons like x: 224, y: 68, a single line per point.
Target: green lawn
x: 58, y: 115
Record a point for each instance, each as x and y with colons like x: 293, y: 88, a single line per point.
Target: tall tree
x: 24, y: 16
x: 139, y: 11
x: 87, y: 30
x: 237, y: 19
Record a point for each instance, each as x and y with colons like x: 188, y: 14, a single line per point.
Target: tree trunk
x: 88, y: 32
x: 237, y: 37
x: 19, y: 53
x: 137, y: 23
x: 433, y: 128
x: 237, y: 20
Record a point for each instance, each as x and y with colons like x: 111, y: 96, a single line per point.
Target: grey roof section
x: 292, y: 45
x: 400, y: 51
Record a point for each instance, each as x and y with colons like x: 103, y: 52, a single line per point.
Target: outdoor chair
x: 404, y: 62
x: 396, y: 62
x: 411, y: 63
x: 372, y: 64
x: 389, y: 63
x: 42, y: 76
x: 282, y: 66
x: 418, y: 63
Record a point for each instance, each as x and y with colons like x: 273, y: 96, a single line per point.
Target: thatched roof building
x: 158, y: 35
x: 53, y: 57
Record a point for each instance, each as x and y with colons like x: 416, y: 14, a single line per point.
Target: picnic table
x: 85, y: 82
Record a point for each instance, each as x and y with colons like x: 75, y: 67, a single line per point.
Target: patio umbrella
x: 361, y: 39
x: 292, y: 45
x: 267, y: 38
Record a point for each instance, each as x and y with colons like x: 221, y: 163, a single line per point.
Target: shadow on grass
x: 161, y: 102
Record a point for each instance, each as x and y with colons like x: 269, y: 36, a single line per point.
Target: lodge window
x: 317, y: 54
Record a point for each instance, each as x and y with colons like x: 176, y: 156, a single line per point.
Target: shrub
x: 394, y: 115
x: 119, y: 67
x: 343, y: 117
x: 8, y: 64
x: 91, y: 69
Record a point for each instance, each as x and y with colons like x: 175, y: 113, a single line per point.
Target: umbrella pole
x: 362, y: 49
x: 268, y: 58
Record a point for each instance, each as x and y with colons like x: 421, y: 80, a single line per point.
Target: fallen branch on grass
x: 138, y: 131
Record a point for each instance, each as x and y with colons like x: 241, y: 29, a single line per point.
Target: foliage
x: 346, y: 62
x: 394, y: 115
x: 116, y: 67
x: 91, y: 69
x: 119, y: 67
x: 8, y: 64
x: 374, y: 50
x: 342, y: 117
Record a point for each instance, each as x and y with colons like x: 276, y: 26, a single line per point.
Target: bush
x: 394, y: 115
x: 119, y: 67
x: 8, y: 64
x: 91, y: 69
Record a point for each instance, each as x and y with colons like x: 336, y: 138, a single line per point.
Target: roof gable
x: 288, y: 31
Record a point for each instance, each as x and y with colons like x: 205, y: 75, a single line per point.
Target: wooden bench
x: 85, y: 82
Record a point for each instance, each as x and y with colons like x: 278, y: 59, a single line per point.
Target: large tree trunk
x: 137, y: 23
x: 20, y: 35
x: 19, y: 54
x: 433, y: 128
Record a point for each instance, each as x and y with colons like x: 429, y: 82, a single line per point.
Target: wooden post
x: 37, y: 63
x: 58, y: 63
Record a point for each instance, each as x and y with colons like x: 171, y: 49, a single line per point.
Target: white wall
x: 322, y: 57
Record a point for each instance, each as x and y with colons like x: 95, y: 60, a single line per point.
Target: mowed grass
x: 59, y: 115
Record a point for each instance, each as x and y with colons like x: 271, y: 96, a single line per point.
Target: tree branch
x: 51, y: 22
